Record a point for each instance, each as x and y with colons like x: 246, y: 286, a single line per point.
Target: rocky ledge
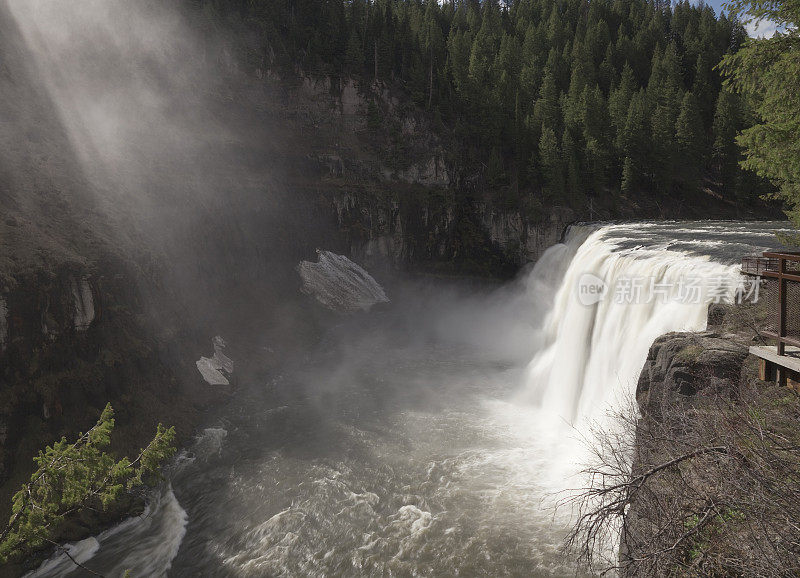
x: 682, y: 365
x: 713, y: 482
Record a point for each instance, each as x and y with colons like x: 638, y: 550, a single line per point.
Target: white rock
x: 219, y: 356
x: 217, y: 369
x: 224, y: 362
x: 210, y: 370
x: 339, y: 284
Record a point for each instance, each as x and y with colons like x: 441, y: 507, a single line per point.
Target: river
x: 432, y: 436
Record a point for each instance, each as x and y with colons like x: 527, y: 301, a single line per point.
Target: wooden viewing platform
x: 780, y: 272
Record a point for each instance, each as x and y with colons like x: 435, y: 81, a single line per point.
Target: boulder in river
x: 216, y: 370
x: 339, y: 284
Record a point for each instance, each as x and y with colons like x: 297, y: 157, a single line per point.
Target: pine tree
x: 704, y: 90
x: 573, y: 173
x: 664, y: 93
x: 552, y: 163
x: 530, y: 66
x: 71, y: 477
x: 481, y: 60
x: 767, y: 71
x: 619, y: 104
x: 354, y: 59
x: 546, y: 110
x: 635, y: 140
x: 725, y: 152
x: 597, y: 135
x: 507, y: 65
x: 690, y: 139
x: 606, y: 74
x: 434, y: 49
x: 459, y: 46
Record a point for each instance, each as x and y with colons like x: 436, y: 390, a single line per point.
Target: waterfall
x: 615, y: 297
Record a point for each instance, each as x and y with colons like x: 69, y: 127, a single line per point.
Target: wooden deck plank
x: 769, y: 352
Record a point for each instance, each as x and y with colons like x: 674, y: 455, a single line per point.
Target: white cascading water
x: 158, y: 531
x: 591, y: 354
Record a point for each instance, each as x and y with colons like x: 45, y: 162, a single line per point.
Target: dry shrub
x: 710, y: 487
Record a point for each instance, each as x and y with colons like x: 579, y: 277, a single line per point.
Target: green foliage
x: 552, y: 162
x: 725, y: 152
x: 766, y: 71
x: 526, y: 79
x: 690, y: 140
x: 72, y: 476
x: 634, y: 144
x: 707, y: 529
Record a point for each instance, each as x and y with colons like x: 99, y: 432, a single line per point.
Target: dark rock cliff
x: 395, y: 197
x: 713, y: 473
x: 681, y: 366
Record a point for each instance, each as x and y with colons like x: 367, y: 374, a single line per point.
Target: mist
x: 180, y: 156
x: 383, y: 423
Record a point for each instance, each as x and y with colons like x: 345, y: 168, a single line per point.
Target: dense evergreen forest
x: 566, y: 99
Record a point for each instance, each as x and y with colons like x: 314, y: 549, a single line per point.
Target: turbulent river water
x: 431, y: 436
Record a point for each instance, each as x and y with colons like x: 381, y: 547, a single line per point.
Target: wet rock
x: 219, y: 354
x: 339, y: 284
x: 211, y: 371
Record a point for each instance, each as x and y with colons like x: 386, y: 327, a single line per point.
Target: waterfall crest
x: 593, y: 345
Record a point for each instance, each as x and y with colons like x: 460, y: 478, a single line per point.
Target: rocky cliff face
x: 75, y: 332
x: 432, y: 231
x: 73, y: 341
x: 681, y: 366
x: 382, y: 173
x: 699, y: 399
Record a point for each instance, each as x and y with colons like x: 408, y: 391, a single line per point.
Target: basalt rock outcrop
x: 439, y: 232
x: 682, y: 365
x: 690, y: 398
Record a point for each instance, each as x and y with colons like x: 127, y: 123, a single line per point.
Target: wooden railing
x: 758, y: 265
x: 774, y: 265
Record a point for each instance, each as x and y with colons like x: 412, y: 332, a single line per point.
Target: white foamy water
x: 145, y: 544
x: 593, y: 350
x: 432, y: 437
